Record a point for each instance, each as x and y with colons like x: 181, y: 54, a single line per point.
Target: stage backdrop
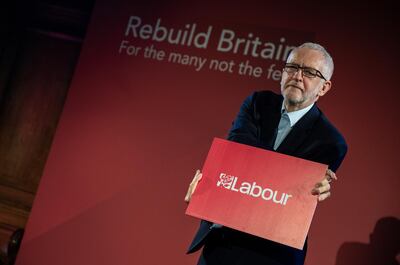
x: 154, y: 84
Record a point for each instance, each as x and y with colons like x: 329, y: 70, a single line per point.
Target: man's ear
x: 325, y: 88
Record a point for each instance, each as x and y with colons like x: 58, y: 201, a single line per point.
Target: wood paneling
x: 39, y: 49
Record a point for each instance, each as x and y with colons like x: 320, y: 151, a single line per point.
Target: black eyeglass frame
x: 293, y: 65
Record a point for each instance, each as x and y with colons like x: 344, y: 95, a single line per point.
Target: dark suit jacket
x: 313, y: 138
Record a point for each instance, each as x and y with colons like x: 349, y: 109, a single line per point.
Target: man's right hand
x: 193, y: 185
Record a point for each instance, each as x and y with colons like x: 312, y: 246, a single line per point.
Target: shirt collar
x: 295, y: 116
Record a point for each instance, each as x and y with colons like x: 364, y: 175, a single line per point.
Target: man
x: 290, y: 124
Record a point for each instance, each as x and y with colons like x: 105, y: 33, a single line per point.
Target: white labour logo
x: 252, y: 189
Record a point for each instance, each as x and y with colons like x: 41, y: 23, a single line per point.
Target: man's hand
x: 193, y: 185
x: 322, y: 189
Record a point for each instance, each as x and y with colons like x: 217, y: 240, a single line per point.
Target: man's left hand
x: 322, y: 189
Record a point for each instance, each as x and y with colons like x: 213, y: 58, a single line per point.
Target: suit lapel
x: 299, y: 132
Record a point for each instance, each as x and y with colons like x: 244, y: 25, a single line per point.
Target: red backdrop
x: 134, y: 129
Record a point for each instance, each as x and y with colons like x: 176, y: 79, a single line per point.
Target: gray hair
x: 328, y: 66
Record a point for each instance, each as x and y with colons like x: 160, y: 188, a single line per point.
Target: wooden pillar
x: 39, y: 49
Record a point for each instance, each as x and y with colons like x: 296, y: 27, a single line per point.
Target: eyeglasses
x: 292, y: 68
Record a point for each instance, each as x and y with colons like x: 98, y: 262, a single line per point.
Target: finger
x: 192, y: 186
x: 189, y: 192
x: 322, y: 183
x: 321, y: 189
x: 195, y: 176
x: 187, y: 197
x: 199, y: 176
x: 330, y: 175
x: 324, y: 196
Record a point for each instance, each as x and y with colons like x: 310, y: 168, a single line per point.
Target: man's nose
x: 298, y: 75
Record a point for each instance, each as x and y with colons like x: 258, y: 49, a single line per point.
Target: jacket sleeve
x: 331, y: 155
x: 339, y: 152
x: 244, y: 128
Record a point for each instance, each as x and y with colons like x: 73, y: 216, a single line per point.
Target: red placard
x: 256, y: 191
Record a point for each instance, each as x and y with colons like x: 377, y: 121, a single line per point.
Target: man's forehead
x: 306, y: 57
